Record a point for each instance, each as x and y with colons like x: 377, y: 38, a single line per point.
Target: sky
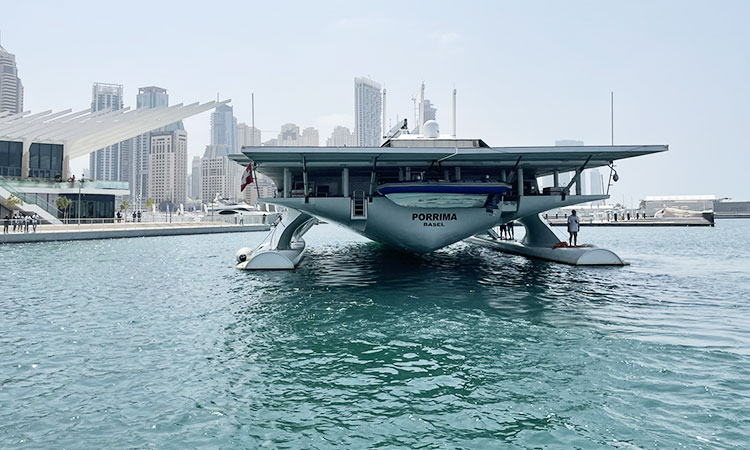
x: 526, y: 73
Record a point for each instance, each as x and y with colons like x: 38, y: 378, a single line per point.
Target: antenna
x: 385, y: 131
x: 612, y: 115
x: 421, y: 109
x: 454, y: 112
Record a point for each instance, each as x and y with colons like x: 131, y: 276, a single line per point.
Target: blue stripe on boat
x: 453, y: 188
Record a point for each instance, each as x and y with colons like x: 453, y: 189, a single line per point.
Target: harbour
x: 341, y: 225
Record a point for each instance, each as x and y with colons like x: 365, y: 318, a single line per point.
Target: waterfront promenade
x: 47, y: 233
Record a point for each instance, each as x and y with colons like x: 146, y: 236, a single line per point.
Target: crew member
x: 573, y: 228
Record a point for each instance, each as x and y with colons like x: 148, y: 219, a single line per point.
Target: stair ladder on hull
x: 359, y: 206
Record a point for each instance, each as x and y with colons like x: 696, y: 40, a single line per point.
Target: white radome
x: 431, y: 129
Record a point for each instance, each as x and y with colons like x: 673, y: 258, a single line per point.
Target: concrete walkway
x: 47, y: 233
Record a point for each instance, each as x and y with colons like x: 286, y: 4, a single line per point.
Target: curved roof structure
x: 85, y: 131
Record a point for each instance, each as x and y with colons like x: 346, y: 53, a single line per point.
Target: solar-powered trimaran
x: 419, y: 193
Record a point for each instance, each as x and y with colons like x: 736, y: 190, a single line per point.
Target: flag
x: 247, y: 176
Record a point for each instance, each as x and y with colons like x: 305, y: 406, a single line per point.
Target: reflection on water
x: 147, y: 342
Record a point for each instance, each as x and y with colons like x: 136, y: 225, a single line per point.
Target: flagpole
x: 257, y: 188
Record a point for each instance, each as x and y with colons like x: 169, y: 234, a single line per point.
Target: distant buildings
x: 247, y: 136
x: 11, y: 88
x: 167, y: 167
x: 195, y: 178
x: 289, y: 135
x: 367, y: 110
x: 218, y: 174
x: 224, y: 128
x: 341, y: 137
x: 310, y: 137
x: 148, y: 97
x: 111, y: 163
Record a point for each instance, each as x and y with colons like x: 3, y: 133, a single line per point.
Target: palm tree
x: 63, y: 203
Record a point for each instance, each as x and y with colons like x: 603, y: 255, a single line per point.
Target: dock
x: 50, y: 233
x: 648, y: 222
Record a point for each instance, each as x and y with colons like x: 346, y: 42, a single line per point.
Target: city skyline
x: 678, y: 80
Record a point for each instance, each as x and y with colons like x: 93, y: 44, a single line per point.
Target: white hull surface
x: 576, y: 256
x: 419, y: 230
x: 283, y: 248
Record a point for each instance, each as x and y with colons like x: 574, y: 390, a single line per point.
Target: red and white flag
x: 247, y: 177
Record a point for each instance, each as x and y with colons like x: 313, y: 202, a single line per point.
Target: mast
x: 421, y: 110
x: 454, y: 112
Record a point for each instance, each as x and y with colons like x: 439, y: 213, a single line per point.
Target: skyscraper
x: 224, y: 128
x: 148, y: 97
x: 289, y: 135
x: 167, y: 166
x: 247, y: 135
x: 341, y: 137
x: 11, y: 89
x: 367, y: 107
x: 218, y: 174
x: 105, y: 163
x: 310, y: 137
x: 195, y: 179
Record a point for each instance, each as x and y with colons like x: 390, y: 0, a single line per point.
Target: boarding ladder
x: 359, y: 206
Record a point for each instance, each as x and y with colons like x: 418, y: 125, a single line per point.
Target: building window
x: 11, y: 154
x: 45, y: 161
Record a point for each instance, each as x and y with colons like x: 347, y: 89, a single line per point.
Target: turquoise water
x: 160, y: 342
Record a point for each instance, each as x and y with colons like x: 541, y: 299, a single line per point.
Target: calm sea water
x: 160, y: 342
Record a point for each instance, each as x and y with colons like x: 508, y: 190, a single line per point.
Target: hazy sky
x: 527, y: 73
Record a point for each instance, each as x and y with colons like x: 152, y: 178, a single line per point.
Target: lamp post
x: 80, y: 186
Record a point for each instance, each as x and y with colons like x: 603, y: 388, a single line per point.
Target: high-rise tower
x: 148, y: 97
x: 11, y: 89
x: 367, y: 107
x: 105, y: 163
x: 224, y: 128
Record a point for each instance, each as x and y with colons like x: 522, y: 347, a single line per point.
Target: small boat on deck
x: 442, y: 194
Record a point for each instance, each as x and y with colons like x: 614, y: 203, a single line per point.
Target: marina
x: 269, y: 234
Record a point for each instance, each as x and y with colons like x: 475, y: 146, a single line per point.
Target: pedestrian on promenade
x: 133, y: 216
x: 139, y: 216
x: 511, y: 234
x: 573, y: 229
x: 26, y: 223
x: 35, y: 221
x: 15, y: 221
x: 6, y: 224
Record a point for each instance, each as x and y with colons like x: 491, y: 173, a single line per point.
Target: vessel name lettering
x: 433, y: 216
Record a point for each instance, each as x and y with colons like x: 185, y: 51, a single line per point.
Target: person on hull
x: 573, y: 225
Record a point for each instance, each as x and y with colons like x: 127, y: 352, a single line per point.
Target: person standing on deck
x: 6, y: 224
x: 573, y: 228
x: 34, y: 221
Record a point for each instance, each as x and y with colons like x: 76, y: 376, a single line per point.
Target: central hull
x: 417, y: 229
